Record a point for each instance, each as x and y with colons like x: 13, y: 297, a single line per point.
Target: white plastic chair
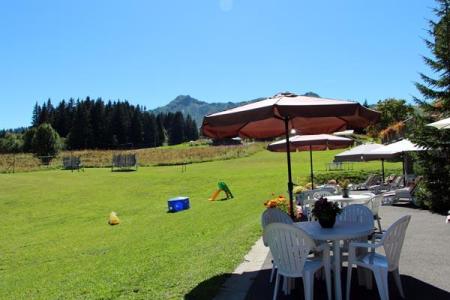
x: 290, y: 247
x: 274, y: 215
x: 375, y: 204
x: 380, y: 265
x: 321, y: 193
x: 355, y: 214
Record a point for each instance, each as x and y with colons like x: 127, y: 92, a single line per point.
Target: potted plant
x: 344, y: 185
x: 326, y: 212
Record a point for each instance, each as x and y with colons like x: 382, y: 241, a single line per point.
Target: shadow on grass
x: 123, y: 170
x: 414, y: 289
x: 207, y: 289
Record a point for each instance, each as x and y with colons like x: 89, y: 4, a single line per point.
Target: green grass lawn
x: 56, y: 242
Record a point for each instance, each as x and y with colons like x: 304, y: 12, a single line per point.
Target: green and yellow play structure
x: 222, y: 187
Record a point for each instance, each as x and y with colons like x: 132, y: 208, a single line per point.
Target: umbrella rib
x: 245, y: 124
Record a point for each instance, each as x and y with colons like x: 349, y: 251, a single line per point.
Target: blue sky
x: 148, y: 52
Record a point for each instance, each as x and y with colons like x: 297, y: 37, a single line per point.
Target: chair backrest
x: 376, y: 179
x: 398, y: 181
x: 321, y: 193
x: 290, y: 247
x: 375, y: 203
x: 275, y: 215
x: 416, y: 182
x: 368, y: 180
x: 392, y: 241
x: 355, y: 214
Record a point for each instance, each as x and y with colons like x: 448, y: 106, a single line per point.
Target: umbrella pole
x: 382, y: 170
x: 311, y: 162
x: 404, y: 172
x: 288, y: 156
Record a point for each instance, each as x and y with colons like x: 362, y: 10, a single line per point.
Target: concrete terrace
x: 424, y: 264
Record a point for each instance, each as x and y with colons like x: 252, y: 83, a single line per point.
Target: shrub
x: 45, y: 143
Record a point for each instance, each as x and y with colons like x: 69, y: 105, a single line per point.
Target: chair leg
x: 379, y: 278
x: 328, y: 280
x: 384, y: 276
x: 308, y: 286
x: 272, y: 273
x: 275, y: 291
x: 398, y: 282
x: 349, y: 279
x: 379, y: 223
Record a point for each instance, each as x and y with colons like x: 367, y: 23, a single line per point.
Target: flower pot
x: 327, y: 222
x: 345, y: 193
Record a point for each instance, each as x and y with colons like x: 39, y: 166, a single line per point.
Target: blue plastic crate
x: 178, y: 204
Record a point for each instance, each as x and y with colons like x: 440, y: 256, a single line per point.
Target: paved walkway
x: 424, y: 264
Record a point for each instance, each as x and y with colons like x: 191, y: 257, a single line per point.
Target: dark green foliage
x: 365, y: 104
x: 175, y: 129
x: 136, y: 128
x: 353, y: 176
x: 80, y: 135
x: 435, y: 105
x: 392, y: 111
x: 150, y: 131
x: 45, y: 142
x: 11, y: 143
x: 89, y: 124
x: 27, y: 137
x: 191, y: 130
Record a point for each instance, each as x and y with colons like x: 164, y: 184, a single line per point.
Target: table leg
x: 337, y: 270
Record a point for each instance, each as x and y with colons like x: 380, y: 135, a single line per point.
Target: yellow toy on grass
x: 113, y: 219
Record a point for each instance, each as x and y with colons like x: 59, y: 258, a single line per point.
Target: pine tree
x: 434, y: 165
x: 98, y: 125
x: 36, y: 114
x: 136, y: 131
x: 191, y: 129
x: 161, y: 137
x: 176, y: 129
x: 150, y: 128
x: 365, y: 103
x: 80, y: 136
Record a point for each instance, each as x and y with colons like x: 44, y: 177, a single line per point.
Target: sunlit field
x: 56, y: 242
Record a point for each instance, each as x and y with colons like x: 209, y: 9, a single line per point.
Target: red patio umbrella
x: 275, y: 116
x: 316, y: 142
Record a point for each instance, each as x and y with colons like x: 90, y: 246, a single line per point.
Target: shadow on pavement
x: 414, y: 289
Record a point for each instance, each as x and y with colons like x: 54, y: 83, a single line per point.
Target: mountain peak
x: 198, y: 109
x: 185, y: 100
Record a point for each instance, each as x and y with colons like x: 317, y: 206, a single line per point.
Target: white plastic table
x: 354, y: 198
x: 339, y: 232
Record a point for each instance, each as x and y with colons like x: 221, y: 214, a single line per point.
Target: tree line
x: 94, y: 124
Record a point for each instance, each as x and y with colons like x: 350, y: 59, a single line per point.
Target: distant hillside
x: 197, y: 109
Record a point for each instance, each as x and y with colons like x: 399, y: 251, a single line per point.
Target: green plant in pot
x: 345, y: 189
x: 326, y: 212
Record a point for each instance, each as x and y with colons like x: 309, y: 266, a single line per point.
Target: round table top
x: 340, y: 231
x: 357, y: 198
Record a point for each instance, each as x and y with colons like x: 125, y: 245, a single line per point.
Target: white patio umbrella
x: 441, y: 124
x: 394, y: 150
x: 311, y: 142
x: 359, y: 154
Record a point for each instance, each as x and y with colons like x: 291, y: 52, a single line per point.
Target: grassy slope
x: 55, y: 241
